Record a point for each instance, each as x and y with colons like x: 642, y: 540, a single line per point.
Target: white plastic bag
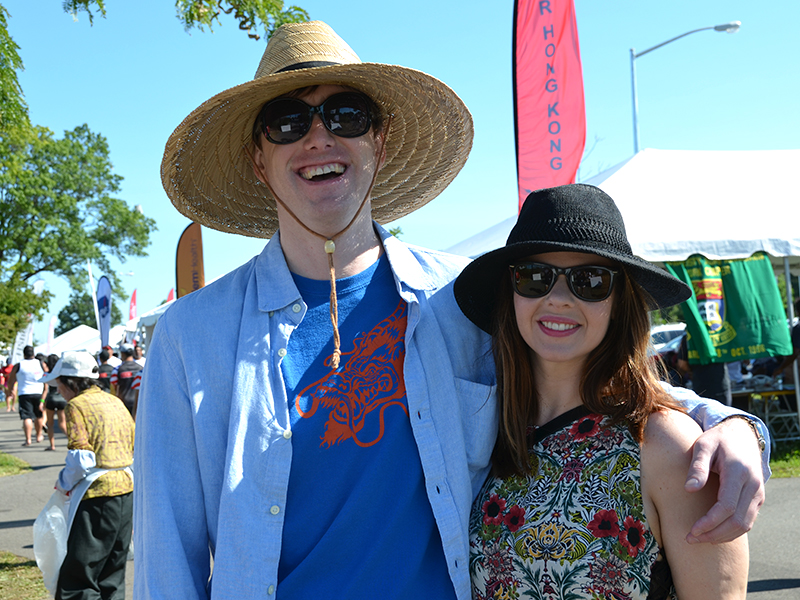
x: 50, y: 538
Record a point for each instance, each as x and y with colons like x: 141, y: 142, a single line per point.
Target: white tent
x: 675, y: 203
x: 81, y: 337
x: 86, y: 338
x: 147, y: 323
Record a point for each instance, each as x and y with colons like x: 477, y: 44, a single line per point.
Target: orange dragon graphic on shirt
x: 370, y: 380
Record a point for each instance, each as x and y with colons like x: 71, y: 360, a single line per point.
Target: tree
x: 13, y: 110
x: 205, y: 13
x: 58, y: 212
x: 80, y: 311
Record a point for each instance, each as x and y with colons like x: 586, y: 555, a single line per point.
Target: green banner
x: 735, y: 311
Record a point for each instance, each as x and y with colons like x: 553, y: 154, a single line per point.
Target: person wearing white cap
x: 319, y: 420
x: 98, y: 478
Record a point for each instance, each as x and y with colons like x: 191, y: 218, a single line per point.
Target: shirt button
x: 272, y: 312
x: 275, y: 510
x: 287, y: 433
x: 297, y: 308
x: 271, y: 590
x: 282, y: 352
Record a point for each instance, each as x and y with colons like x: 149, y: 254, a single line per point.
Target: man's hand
x: 731, y: 450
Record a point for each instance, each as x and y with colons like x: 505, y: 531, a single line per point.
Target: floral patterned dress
x: 574, y: 527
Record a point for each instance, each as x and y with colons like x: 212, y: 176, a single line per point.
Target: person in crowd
x: 5, y: 371
x: 31, y: 394
x: 54, y: 406
x: 113, y: 359
x: 105, y: 370
x: 123, y: 376
x: 710, y: 380
x: 98, y: 478
x: 336, y: 409
x: 786, y: 363
x: 586, y: 497
x: 138, y: 355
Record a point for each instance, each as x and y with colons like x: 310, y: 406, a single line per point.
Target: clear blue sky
x: 136, y: 74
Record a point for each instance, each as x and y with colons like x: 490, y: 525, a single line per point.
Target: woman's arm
x: 729, y: 448
x: 698, y: 570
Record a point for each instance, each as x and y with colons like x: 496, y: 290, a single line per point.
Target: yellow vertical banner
x: 189, y: 273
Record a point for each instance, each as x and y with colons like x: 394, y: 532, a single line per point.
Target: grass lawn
x: 785, y: 460
x: 11, y: 465
x: 20, y: 578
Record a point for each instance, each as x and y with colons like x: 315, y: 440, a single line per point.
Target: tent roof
x: 149, y: 318
x: 675, y: 203
x: 81, y: 337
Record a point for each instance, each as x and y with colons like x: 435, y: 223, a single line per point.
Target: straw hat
x: 568, y: 218
x: 208, y: 176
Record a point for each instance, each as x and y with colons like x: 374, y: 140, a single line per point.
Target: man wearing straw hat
x: 319, y: 420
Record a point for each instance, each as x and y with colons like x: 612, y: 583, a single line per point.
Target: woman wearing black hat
x: 587, y: 497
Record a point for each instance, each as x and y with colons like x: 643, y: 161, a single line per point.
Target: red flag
x: 171, y: 295
x: 132, y: 310
x: 549, y: 115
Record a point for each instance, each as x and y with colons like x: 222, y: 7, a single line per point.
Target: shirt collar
x: 276, y: 288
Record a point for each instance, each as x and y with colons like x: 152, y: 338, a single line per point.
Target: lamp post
x: 731, y: 27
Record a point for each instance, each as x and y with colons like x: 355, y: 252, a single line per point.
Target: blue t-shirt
x: 358, y: 521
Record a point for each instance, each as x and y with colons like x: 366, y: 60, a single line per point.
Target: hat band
x: 308, y: 65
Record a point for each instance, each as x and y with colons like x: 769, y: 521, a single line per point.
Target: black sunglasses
x: 286, y: 120
x: 588, y: 283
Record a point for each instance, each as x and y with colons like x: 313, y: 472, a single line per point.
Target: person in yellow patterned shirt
x: 99, y: 480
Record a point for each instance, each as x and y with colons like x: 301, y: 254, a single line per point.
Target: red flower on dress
x: 632, y: 536
x: 572, y: 470
x: 515, y: 518
x: 608, y: 576
x: 493, y: 510
x: 586, y: 427
x: 604, y: 524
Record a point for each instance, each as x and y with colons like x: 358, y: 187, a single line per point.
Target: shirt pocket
x: 478, y: 407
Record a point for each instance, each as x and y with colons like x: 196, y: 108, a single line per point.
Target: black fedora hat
x: 568, y: 218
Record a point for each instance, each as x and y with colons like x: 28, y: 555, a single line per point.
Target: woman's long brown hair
x: 619, y: 379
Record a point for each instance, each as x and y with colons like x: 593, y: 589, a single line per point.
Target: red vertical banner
x: 549, y: 113
x: 189, y: 271
x: 132, y: 310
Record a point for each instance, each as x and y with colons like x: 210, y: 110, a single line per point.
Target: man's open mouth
x: 323, y: 172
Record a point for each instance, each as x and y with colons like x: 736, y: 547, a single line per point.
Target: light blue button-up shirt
x: 213, y: 440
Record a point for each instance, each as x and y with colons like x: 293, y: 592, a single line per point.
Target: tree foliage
x: 13, y: 110
x: 59, y: 211
x: 268, y: 14
x: 80, y: 311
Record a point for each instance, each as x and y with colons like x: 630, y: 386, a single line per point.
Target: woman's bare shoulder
x: 669, y: 436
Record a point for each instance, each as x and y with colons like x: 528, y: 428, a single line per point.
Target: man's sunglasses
x: 286, y: 120
x: 588, y: 283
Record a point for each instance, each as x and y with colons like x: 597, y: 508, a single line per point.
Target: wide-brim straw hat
x: 208, y: 175
x: 568, y: 218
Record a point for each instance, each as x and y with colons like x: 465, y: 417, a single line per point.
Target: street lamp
x: 731, y: 27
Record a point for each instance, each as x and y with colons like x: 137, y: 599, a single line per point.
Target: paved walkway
x: 774, y: 555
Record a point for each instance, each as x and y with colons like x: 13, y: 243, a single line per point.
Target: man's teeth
x: 323, y: 170
x: 558, y: 326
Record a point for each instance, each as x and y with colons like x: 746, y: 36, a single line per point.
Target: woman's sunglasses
x: 286, y: 120
x: 589, y: 283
